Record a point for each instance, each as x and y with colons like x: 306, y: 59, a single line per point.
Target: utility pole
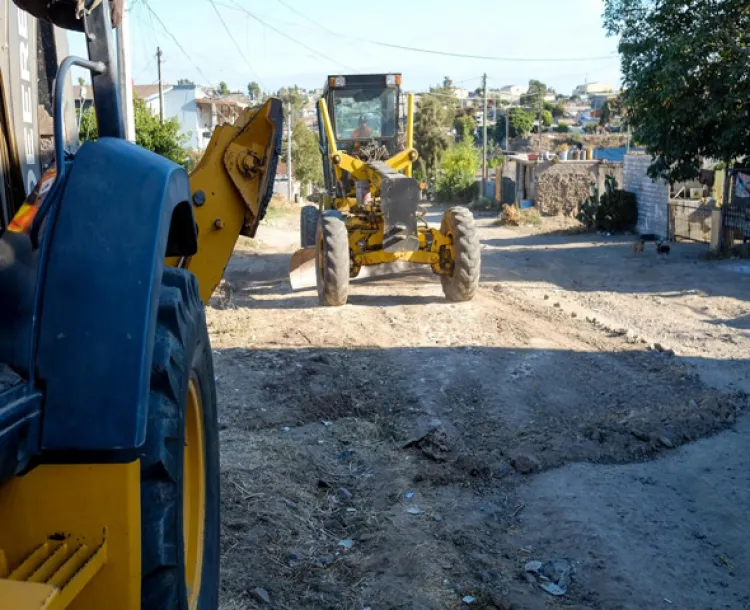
x: 540, y: 124
x: 507, y: 120
x: 484, y: 135
x: 124, y: 74
x: 289, y: 151
x: 161, y: 85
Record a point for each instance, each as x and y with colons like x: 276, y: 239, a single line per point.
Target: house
x: 84, y: 97
x: 281, y: 183
x: 512, y: 93
x: 197, y: 112
x: 593, y: 89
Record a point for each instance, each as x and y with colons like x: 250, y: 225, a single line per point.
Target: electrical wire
x: 177, y: 42
x: 488, y: 57
x: 234, y: 41
x: 280, y: 33
x: 320, y: 25
x: 306, y: 17
x: 145, y: 68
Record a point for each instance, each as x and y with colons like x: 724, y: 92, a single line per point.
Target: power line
x: 294, y: 40
x: 316, y: 23
x: 310, y: 19
x: 179, y: 46
x: 488, y: 57
x: 237, y: 46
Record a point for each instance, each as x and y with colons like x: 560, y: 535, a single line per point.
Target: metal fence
x: 736, y: 215
x: 689, y: 220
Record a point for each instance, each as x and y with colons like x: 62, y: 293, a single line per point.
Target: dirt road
x: 404, y: 452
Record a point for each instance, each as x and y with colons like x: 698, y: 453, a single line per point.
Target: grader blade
x: 302, y: 269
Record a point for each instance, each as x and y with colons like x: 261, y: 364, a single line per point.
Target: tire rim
x: 194, y: 494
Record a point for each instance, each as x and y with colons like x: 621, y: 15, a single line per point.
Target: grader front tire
x: 332, y: 262
x: 180, y: 458
x: 308, y: 225
x: 462, y: 282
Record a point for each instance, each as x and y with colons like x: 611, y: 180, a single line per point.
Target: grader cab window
x: 362, y: 114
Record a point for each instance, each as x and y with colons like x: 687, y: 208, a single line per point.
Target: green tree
x: 464, y: 126
x: 185, y: 81
x: 306, y: 161
x: 520, y: 124
x: 223, y: 89
x: 546, y: 118
x: 686, y: 89
x: 253, y: 90
x: 432, y: 122
x: 459, y: 169
x: 164, y: 140
x: 605, y: 116
x: 536, y: 88
x: 293, y: 96
x: 557, y: 110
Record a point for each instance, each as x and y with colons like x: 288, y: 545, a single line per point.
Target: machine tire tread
x: 181, y: 350
x: 308, y: 225
x: 462, y: 285
x: 333, y: 270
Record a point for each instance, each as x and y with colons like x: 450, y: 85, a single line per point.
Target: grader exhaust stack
x: 370, y: 212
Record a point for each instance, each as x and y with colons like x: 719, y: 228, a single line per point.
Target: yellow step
x: 51, y: 576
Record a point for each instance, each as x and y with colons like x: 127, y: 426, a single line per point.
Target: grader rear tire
x: 308, y: 226
x: 463, y: 281
x: 332, y: 262
x: 180, y: 458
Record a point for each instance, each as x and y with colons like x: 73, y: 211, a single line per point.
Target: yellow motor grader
x: 370, y: 213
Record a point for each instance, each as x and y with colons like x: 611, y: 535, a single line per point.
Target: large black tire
x: 332, y: 262
x: 462, y: 283
x: 182, y: 364
x: 308, y: 225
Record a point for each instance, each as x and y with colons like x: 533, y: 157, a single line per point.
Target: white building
x: 513, y: 93
x: 593, y: 89
x: 196, y: 113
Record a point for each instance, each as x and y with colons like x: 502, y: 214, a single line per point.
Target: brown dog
x: 638, y: 247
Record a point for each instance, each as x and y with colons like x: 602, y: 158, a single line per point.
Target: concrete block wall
x: 652, y: 196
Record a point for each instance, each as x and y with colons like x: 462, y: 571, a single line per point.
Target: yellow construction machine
x: 109, y: 457
x: 370, y: 213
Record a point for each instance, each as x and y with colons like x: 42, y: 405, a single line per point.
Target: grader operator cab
x: 370, y: 214
x: 109, y: 458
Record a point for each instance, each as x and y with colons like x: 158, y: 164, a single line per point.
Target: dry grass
x: 513, y: 216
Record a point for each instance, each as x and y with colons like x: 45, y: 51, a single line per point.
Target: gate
x: 690, y: 220
x: 736, y: 215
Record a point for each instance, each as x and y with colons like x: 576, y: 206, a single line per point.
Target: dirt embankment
x: 404, y: 452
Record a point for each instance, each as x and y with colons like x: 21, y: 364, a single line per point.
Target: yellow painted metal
x: 232, y: 178
x: 26, y: 596
x: 70, y: 535
x: 54, y: 584
x: 403, y: 160
x: 409, y: 129
x: 194, y: 494
x: 330, y: 136
x: 378, y: 257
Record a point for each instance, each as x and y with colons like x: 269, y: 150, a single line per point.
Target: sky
x: 293, y: 42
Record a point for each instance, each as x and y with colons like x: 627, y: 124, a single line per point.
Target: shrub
x: 562, y: 128
x: 616, y: 210
x: 457, y: 180
x: 587, y: 210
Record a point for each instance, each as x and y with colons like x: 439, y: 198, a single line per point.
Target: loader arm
x: 231, y: 188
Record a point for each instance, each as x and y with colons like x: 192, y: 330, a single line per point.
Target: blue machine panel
x: 101, y: 292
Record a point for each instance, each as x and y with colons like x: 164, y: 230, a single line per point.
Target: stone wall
x: 559, y: 188
x: 652, y: 196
